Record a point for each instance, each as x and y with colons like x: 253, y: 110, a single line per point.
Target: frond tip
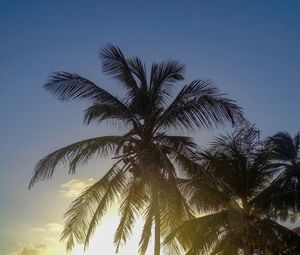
x: 69, y: 86
x: 74, y: 154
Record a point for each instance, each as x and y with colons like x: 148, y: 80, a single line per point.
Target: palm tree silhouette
x: 236, y: 220
x: 146, y: 158
x: 282, y: 152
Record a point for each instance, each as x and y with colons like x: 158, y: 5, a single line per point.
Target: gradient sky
x: 250, y: 49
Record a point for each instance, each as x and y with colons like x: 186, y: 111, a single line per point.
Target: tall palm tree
x: 145, y: 156
x: 235, y: 221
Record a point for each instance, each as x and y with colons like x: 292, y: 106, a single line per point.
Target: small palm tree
x: 146, y: 158
x: 235, y: 220
x: 282, y: 152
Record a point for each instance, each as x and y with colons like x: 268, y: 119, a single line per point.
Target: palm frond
x: 181, y: 144
x: 134, y: 199
x: 205, y: 194
x: 281, y: 146
x: 79, y: 213
x: 74, y: 154
x: 115, y: 64
x: 146, y: 233
x: 162, y: 78
x: 174, y: 205
x: 285, y: 242
x: 190, y: 165
x: 139, y: 102
x: 199, y: 234
x: 115, y: 188
x: 227, y: 245
x: 110, y: 112
x: 278, y: 202
x: 235, y: 159
x: 69, y: 86
x: 296, y: 142
x: 283, y: 155
x: 244, y: 139
x: 139, y: 70
x: 200, y: 104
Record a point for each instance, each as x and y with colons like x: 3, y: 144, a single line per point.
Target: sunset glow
x: 103, y: 240
x: 46, y: 237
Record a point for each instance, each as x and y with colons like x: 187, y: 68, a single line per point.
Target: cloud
x: 74, y: 187
x: 54, y: 227
x: 51, y: 240
x: 50, y: 227
x: 31, y: 249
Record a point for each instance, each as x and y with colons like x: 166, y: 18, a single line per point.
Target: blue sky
x: 250, y: 49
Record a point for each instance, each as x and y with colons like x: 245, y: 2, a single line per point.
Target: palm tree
x: 282, y: 152
x: 146, y: 158
x: 234, y: 220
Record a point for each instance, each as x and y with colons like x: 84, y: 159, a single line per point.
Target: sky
x: 250, y: 49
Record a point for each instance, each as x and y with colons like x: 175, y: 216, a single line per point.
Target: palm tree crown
x: 236, y: 220
x: 144, y: 174
x: 285, y: 157
x: 282, y: 153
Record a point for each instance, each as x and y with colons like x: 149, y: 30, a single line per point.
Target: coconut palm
x: 234, y: 222
x: 146, y: 158
x: 282, y: 152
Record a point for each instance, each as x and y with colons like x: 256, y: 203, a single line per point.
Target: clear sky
x: 250, y: 49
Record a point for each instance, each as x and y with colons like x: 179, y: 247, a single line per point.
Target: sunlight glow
x: 102, y: 241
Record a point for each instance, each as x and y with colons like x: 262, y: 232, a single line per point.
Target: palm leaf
x: 174, y: 209
x: 115, y: 188
x: 279, y: 202
x: 281, y: 146
x: 146, y: 233
x: 181, y: 144
x: 199, y: 234
x: 110, y: 112
x: 287, y: 240
x: 200, y: 104
x: 227, y: 245
x: 69, y: 86
x: 134, y: 199
x: 74, y: 154
x: 162, y: 78
x: 79, y: 213
x: 115, y: 64
x: 139, y: 70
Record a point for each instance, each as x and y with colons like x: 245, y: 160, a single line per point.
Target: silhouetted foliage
x: 241, y: 200
x: 144, y: 176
